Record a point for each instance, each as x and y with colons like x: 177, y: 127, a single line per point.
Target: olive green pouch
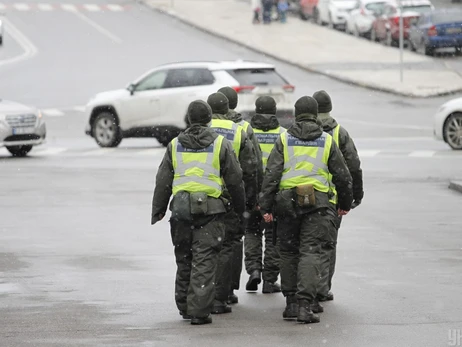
x: 198, y: 202
x: 305, y: 196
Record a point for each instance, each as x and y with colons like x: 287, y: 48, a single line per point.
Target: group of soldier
x: 235, y: 183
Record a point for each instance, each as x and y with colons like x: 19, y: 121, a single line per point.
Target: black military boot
x: 221, y: 307
x: 232, y: 298
x: 254, y: 281
x: 291, y: 308
x: 305, y: 315
x: 316, y: 306
x: 201, y: 320
x: 185, y: 315
x: 328, y: 297
x: 269, y: 287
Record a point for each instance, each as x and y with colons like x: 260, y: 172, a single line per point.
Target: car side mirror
x: 131, y: 88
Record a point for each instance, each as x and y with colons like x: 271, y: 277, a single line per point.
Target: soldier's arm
x: 163, y: 189
x: 248, y: 162
x: 272, y: 178
x: 350, y: 153
x: 232, y: 176
x: 340, y: 177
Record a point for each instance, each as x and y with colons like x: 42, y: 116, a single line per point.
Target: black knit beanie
x: 231, y: 94
x: 265, y: 105
x: 219, y: 103
x: 199, y: 112
x: 324, y: 101
x: 306, y: 104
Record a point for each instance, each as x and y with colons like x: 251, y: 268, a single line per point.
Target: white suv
x: 155, y: 105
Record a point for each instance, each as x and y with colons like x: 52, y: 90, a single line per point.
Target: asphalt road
x: 81, y: 266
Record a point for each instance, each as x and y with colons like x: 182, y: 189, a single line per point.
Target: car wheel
x: 452, y: 131
x: 429, y: 51
x: 19, y: 151
x: 106, y: 131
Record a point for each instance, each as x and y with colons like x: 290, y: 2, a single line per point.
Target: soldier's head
x: 306, y: 105
x: 324, y: 101
x: 231, y: 94
x: 219, y: 103
x: 265, y: 105
x: 199, y: 113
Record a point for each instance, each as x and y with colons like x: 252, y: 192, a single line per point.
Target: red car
x: 308, y: 9
x: 386, y: 27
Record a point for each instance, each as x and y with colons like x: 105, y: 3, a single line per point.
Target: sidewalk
x: 317, y: 48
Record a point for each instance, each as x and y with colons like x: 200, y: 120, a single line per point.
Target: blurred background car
x: 21, y: 128
x: 2, y: 30
x: 437, y: 31
x: 334, y: 13
x: 308, y: 10
x: 155, y: 104
x: 447, y: 123
x: 360, y: 19
x: 386, y: 26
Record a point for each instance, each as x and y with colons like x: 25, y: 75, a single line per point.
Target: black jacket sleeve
x: 248, y: 162
x: 350, y: 153
x: 340, y: 177
x: 163, y: 189
x: 272, y: 178
x: 232, y: 176
x: 258, y: 155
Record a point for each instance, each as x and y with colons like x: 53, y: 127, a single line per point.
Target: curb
x: 456, y: 185
x: 172, y: 14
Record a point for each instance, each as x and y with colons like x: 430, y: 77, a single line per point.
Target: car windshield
x: 448, y: 17
x: 375, y: 6
x: 255, y: 77
x: 419, y: 9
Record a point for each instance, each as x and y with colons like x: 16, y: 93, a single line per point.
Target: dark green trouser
x: 197, y: 246
x: 253, y: 245
x: 328, y: 259
x: 301, y: 241
x: 227, y: 264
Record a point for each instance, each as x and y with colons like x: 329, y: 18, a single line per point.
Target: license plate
x: 453, y: 30
x: 21, y: 131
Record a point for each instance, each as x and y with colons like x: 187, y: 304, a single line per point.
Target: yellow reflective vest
x: 266, y: 140
x: 230, y: 131
x: 306, y: 162
x: 197, y: 170
x: 335, y: 135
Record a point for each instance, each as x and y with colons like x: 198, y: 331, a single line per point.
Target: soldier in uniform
x: 350, y: 154
x: 196, y: 166
x: 267, y: 130
x: 235, y: 222
x: 297, y: 184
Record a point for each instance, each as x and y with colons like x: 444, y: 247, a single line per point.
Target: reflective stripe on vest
x: 267, y: 139
x: 335, y: 135
x: 244, y: 124
x: 197, y: 171
x: 230, y: 131
x: 305, y: 162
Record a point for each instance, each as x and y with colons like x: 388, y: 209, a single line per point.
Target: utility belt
x: 290, y: 203
x: 187, y: 206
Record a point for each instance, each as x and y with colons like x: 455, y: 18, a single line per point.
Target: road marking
x: 28, y: 47
x: 48, y: 151
x: 99, y: 28
x: 422, y: 154
x: 22, y: 7
x: 53, y: 112
x: 115, y: 8
x: 91, y: 7
x: 368, y: 153
x: 69, y: 7
x: 45, y: 7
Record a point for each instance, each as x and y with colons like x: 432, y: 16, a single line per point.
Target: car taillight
x: 288, y: 88
x: 396, y: 20
x: 244, y: 89
x: 432, y: 31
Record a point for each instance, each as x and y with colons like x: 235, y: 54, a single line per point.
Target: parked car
x: 21, y: 128
x: 360, y: 19
x: 1, y: 29
x: 308, y: 9
x: 155, y: 104
x: 437, y: 31
x: 447, y: 125
x: 334, y: 12
x: 386, y: 27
